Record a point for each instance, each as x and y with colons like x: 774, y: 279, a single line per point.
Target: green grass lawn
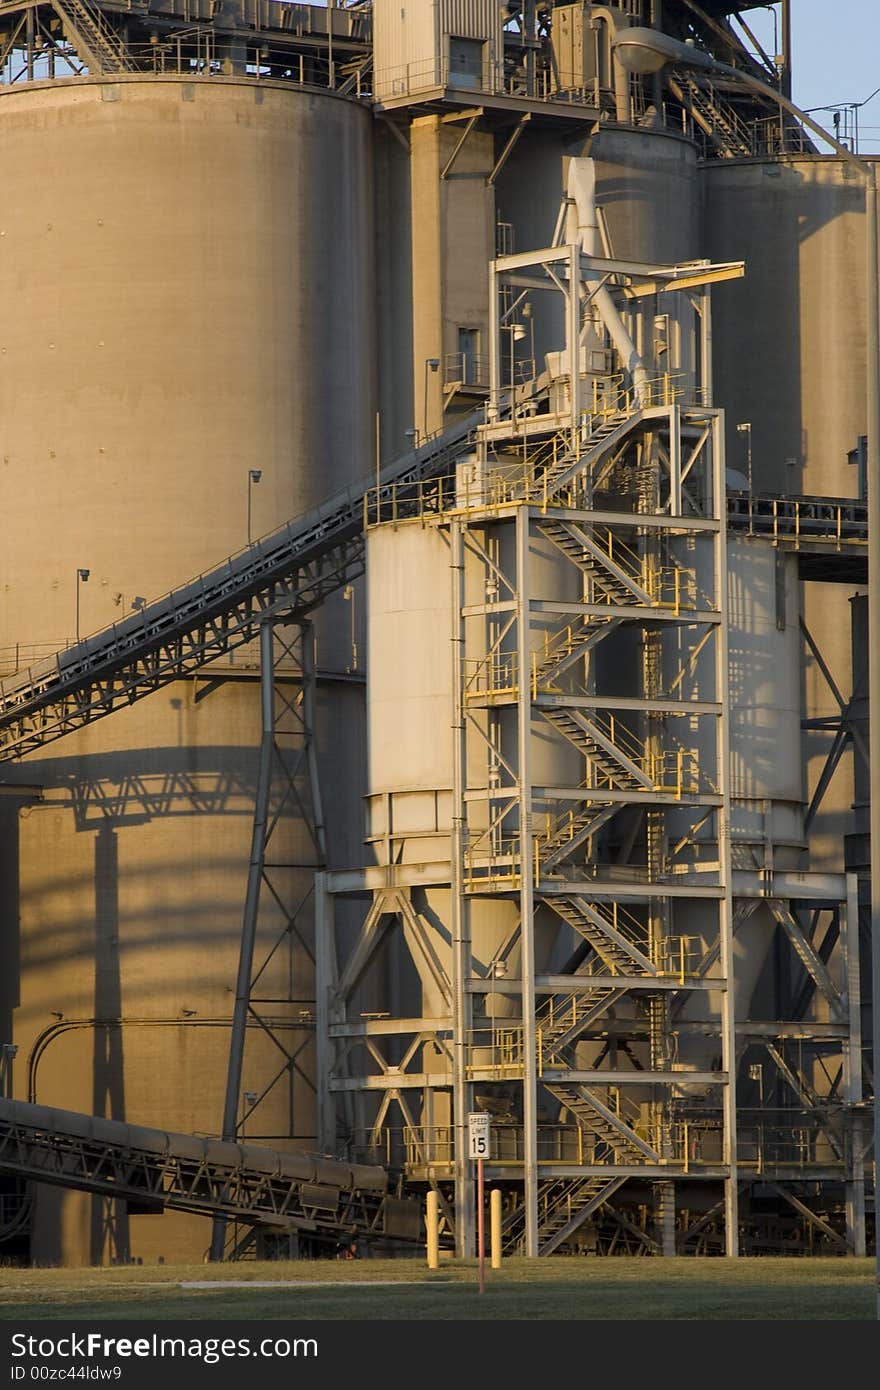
x: 559, y: 1288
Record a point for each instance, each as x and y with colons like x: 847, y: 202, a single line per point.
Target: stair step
x: 593, y: 1120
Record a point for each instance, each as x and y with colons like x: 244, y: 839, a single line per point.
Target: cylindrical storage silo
x: 187, y: 270
x: 789, y: 338
x: 766, y: 793
x: 789, y: 354
x: 764, y: 675
x: 412, y: 736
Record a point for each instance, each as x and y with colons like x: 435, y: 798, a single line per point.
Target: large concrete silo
x: 187, y: 269
x: 789, y: 351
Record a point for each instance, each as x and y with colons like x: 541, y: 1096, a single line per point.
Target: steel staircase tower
x: 595, y: 529
x: 556, y: 848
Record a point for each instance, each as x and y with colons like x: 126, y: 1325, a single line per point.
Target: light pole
x: 746, y: 428
x: 529, y: 317
x: 431, y: 364
x: 348, y: 595
x: 497, y: 971
x: 81, y: 578
x: 647, y: 51
x: 254, y: 476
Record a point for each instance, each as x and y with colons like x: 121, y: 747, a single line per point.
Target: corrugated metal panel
x: 471, y: 19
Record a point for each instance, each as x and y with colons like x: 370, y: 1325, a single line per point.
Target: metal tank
x: 788, y: 343
x: 187, y: 270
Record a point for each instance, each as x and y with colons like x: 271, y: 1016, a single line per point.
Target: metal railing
x: 832, y: 521
x: 20, y: 655
x: 464, y: 369
x: 689, y: 1144
x: 409, y: 79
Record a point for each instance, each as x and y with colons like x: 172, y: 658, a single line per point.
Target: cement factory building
x: 434, y: 435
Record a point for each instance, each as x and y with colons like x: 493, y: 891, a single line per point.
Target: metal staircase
x: 562, y: 1020
x: 617, y: 938
x: 566, y: 647
x: 94, y: 39
x: 572, y: 1208
x: 717, y: 119
x: 568, y: 833
x: 615, y: 766
x: 605, y: 431
x: 562, y: 1207
x: 613, y: 568
x: 594, y: 1116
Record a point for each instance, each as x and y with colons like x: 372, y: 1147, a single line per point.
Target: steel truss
x: 153, y: 1170
x: 288, y: 847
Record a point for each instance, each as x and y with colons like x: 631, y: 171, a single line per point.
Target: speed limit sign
x: 478, y: 1135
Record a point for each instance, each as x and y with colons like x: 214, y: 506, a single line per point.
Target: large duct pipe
x: 614, y: 20
x: 582, y: 226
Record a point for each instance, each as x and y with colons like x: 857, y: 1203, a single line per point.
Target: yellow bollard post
x: 495, y: 1226
x: 432, y: 1226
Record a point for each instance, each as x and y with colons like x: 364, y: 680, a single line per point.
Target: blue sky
x: 836, y: 58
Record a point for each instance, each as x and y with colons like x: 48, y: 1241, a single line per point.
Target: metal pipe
x: 583, y: 230
x: 527, y: 889
x: 785, y: 74
x: 461, y: 1090
x: 620, y: 77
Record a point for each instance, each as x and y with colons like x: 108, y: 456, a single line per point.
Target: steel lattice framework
x: 155, y: 1170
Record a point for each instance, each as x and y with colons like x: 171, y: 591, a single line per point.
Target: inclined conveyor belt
x: 291, y: 571
x: 152, y: 1170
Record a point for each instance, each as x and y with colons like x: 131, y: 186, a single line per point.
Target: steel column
x: 725, y: 906
x: 461, y: 1005
x: 527, y: 883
